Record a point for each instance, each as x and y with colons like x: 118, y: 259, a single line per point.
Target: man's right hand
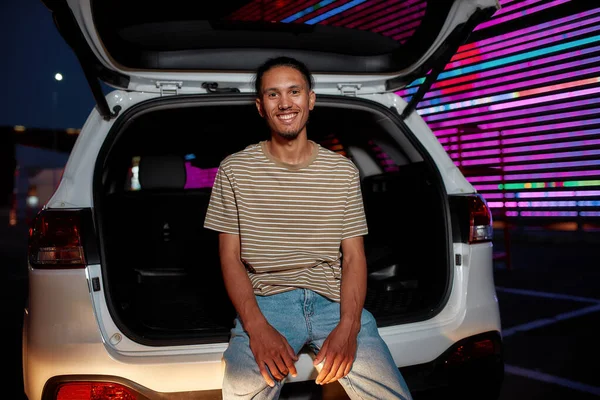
x: 272, y: 353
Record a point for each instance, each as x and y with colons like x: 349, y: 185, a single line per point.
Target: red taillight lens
x: 54, y: 240
x: 472, y: 351
x: 480, y: 220
x: 94, y: 391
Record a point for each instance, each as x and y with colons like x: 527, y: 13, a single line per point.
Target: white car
x: 126, y: 299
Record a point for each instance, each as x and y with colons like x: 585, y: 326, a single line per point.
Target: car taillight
x: 480, y: 220
x: 94, y: 391
x: 55, y: 240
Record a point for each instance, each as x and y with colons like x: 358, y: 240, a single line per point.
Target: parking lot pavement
x: 550, y: 306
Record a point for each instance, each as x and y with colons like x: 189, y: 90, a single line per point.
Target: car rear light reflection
x: 480, y: 220
x: 55, y: 241
x: 94, y: 391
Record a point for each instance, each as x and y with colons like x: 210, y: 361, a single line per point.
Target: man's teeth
x: 287, y: 116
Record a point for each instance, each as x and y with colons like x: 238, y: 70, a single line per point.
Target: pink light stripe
x: 551, y: 175
x: 502, y: 19
x: 515, y: 7
x: 576, y: 193
x: 500, y: 84
x: 489, y: 178
x: 468, y: 142
x: 557, y: 126
x: 508, y: 123
x: 530, y: 157
x: 404, y: 32
x: 554, y: 97
x: 528, y: 149
x: 579, y: 54
x: 548, y: 214
x: 474, y: 48
x: 579, y: 163
x: 551, y: 136
x: 514, y: 103
x: 542, y: 118
x: 520, y: 48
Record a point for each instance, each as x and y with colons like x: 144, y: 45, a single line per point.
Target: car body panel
x: 74, y: 341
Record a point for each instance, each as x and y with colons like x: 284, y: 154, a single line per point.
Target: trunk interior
x: 161, y: 267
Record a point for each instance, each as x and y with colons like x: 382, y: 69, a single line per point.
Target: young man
x: 287, y: 210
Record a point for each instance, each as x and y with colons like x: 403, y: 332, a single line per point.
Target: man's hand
x: 338, y: 353
x: 271, y: 350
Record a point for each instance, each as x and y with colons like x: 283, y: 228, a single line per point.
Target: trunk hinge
x: 169, y: 88
x: 349, y: 89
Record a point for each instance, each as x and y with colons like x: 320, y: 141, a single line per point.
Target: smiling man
x: 291, y: 223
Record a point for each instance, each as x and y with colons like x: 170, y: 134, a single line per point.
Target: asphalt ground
x: 547, y: 292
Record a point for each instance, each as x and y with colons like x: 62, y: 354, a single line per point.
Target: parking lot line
x: 540, y: 376
x: 557, y: 296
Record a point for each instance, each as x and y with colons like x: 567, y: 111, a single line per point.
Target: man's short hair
x: 281, y: 61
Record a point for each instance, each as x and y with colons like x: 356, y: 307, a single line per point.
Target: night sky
x: 34, y: 52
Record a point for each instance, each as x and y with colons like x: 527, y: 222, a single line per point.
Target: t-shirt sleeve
x: 355, y: 222
x: 222, y: 212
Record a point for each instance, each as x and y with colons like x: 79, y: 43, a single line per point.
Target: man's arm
x: 271, y: 350
x: 339, y: 349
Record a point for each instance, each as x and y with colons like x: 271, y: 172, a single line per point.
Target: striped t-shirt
x: 291, y: 218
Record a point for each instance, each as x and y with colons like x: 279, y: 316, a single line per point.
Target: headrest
x: 162, y: 172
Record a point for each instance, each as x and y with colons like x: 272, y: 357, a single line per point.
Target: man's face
x: 285, y: 101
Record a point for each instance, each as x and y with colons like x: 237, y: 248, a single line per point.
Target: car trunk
x: 161, y: 267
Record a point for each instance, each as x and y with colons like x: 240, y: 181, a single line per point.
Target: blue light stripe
x: 307, y: 10
x: 333, y: 12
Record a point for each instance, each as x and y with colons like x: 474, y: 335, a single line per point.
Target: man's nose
x: 284, y: 103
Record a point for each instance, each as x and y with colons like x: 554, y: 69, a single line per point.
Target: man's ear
x: 259, y: 107
x: 312, y: 97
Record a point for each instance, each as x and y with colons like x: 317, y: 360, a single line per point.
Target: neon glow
x: 496, y: 21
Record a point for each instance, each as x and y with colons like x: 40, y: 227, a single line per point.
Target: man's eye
x: 272, y: 94
x: 295, y: 91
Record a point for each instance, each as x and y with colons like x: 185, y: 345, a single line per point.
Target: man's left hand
x: 337, y: 355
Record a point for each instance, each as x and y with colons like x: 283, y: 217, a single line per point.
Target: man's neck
x: 294, y: 151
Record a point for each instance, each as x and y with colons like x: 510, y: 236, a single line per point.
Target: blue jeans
x: 306, y: 318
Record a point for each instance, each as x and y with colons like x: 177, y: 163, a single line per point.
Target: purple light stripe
x: 528, y: 157
x: 529, y: 44
x: 551, y: 175
x: 571, y: 193
x: 554, y: 97
x: 484, y: 187
x: 579, y: 54
x: 520, y: 48
x: 530, y: 110
x: 590, y: 213
x: 580, y: 163
x: 373, y: 15
x: 502, y: 19
x: 396, y: 25
x: 540, y: 128
x: 500, y: 84
x: 551, y: 136
x: 515, y: 7
x: 504, y: 124
x: 542, y: 118
x: 412, y: 26
x: 548, y: 213
x: 469, y: 137
x: 488, y: 178
x: 473, y: 47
